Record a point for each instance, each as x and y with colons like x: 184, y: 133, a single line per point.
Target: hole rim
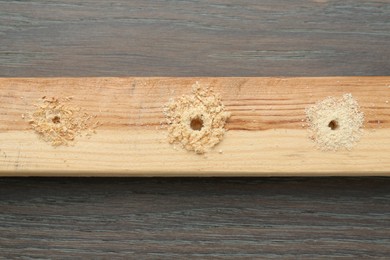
x: 56, y: 120
x: 196, y: 123
x: 334, y: 125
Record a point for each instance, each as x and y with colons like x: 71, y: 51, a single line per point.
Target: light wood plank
x: 265, y: 136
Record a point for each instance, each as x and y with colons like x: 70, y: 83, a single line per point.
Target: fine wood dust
x: 58, y: 122
x: 197, y: 121
x: 335, y: 123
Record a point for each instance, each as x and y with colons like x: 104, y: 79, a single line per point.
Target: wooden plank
x: 194, y: 38
x: 195, y: 218
x: 265, y: 133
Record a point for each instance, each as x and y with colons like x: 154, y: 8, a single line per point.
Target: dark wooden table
x: 171, y: 218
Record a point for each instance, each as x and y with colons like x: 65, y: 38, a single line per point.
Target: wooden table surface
x: 166, y: 218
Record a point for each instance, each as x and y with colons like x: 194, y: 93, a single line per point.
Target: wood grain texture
x: 203, y: 218
x: 185, y: 218
x: 266, y: 133
x: 194, y: 38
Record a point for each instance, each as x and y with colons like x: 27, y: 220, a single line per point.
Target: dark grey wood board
x: 159, y: 218
x: 156, y: 218
x: 194, y: 38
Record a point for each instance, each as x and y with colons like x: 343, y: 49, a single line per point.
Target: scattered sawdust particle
x: 23, y: 116
x: 58, y: 122
x: 197, y: 121
x: 335, y: 123
x: 220, y: 151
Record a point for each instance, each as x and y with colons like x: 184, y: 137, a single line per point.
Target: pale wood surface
x: 266, y: 134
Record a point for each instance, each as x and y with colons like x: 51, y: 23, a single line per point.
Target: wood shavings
x: 335, y: 123
x: 58, y: 122
x: 197, y: 121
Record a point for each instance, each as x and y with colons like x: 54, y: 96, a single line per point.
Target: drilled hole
x: 196, y: 124
x: 333, y: 125
x: 56, y: 120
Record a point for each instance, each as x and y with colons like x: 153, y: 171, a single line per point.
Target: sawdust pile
x: 58, y: 122
x: 197, y: 121
x: 335, y: 123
